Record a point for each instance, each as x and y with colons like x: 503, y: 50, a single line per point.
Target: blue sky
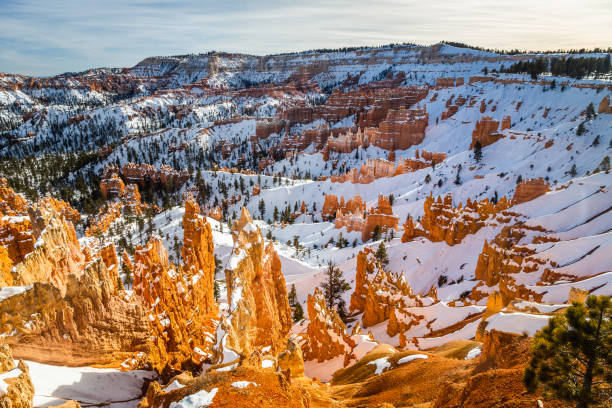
x: 45, y: 37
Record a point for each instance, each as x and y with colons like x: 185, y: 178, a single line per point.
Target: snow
x: 412, y: 357
x: 473, y: 353
x: 200, y: 399
x: 174, y: 385
x: 267, y: 363
x: 55, y: 384
x: 14, y: 373
x: 243, y: 384
x: 8, y: 291
x: 517, y: 322
x: 381, y: 365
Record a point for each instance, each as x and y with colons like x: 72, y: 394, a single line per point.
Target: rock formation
x: 604, y: 106
x: 381, y: 216
x: 16, y: 390
x: 377, y: 168
x: 326, y: 335
x: 502, y: 258
x: 486, y: 131
x: 529, y: 189
x: 91, y: 324
x: 112, y: 187
x: 246, y: 387
x: 56, y: 254
x: 179, y: 302
x: 259, y: 313
x: 331, y: 206
x: 401, y: 129
x: 442, y: 222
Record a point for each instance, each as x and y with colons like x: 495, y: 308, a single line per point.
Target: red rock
x: 259, y: 312
x: 529, y: 189
x: 604, y: 106
x: 326, y: 335
x: 485, y: 132
x: 401, y: 129
x: 442, y: 222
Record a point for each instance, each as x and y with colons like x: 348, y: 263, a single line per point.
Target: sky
x: 48, y: 37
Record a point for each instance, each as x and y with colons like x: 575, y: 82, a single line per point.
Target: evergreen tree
x: 296, y: 307
x: 334, y: 285
x: 262, y: 207
x: 376, y: 233
x: 478, y: 151
x: 381, y: 255
x: 572, y: 355
x: 590, y: 111
x: 573, y: 172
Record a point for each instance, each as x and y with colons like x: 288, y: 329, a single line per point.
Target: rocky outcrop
x: 180, y: 313
x: 259, y: 314
x: 326, y: 335
x: 126, y: 200
x: 56, y: 253
x: 291, y: 359
x: 112, y: 187
x: 486, y: 131
x: 11, y: 203
x: 377, y: 168
x: 247, y: 387
x: 503, y: 257
x: 16, y: 389
x: 331, y: 206
x: 401, y: 129
x: 497, y: 380
x: 443, y: 222
x: 198, y: 255
x: 529, y: 189
x: 92, y: 323
x: 381, y: 216
x: 604, y: 106
x: 382, y: 295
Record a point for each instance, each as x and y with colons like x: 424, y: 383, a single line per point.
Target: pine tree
x: 381, y: 255
x: 334, y: 285
x: 572, y: 355
x: 376, y: 233
x: 296, y: 307
x: 262, y: 207
x: 478, y: 151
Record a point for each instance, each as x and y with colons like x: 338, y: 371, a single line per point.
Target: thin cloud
x: 43, y: 38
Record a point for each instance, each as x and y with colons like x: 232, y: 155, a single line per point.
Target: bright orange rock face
x: 326, y: 335
x: 179, y: 301
x: 604, y: 105
x: 527, y: 190
x: 18, y: 391
x: 90, y: 324
x: 127, y: 200
x: 331, y: 206
x: 378, y: 168
x: 382, y: 295
x: 401, y: 129
x: 56, y: 254
x: 62, y: 207
x: 381, y: 216
x: 502, y: 258
x: 112, y: 187
x: 259, y: 312
x: 198, y: 254
x: 266, y: 389
x: 11, y: 203
x: 442, y: 222
x: 486, y: 132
